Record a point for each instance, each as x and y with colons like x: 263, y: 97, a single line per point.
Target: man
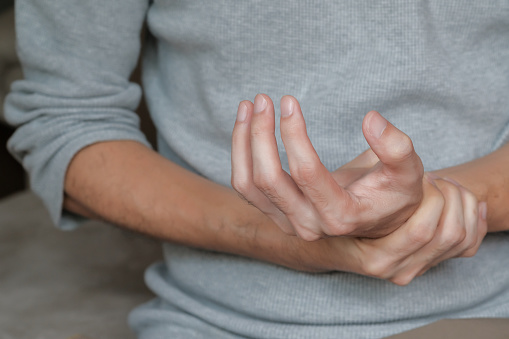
x: 428, y: 67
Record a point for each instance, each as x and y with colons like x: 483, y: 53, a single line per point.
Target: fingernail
x: 242, y: 112
x: 483, y: 209
x: 286, y: 107
x: 377, y: 125
x: 260, y: 103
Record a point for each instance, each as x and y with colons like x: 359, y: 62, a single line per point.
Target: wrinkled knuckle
x: 436, y: 198
x: 241, y: 185
x: 376, y: 267
x: 338, y: 229
x: 454, y: 236
x: 307, y: 235
x: 421, y: 234
x: 332, y: 223
x: 448, y: 190
x: 259, y: 131
x: 278, y: 201
x: 306, y: 174
x: 265, y: 181
x: 322, y: 203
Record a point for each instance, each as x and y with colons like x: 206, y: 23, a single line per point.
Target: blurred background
x: 12, y: 178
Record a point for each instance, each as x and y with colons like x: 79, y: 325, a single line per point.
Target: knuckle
x: 404, y: 148
x: 241, y: 185
x: 278, y: 201
x: 439, y: 198
x: 421, y: 234
x: 264, y: 180
x: 334, y: 228
x: 449, y: 190
x: 376, y: 267
x: 307, y: 235
x: 469, y: 253
x: 306, y: 174
x: 469, y: 196
x: 470, y: 250
x: 471, y: 247
x: 453, y: 236
x: 260, y: 129
x: 269, y: 185
x: 402, y: 279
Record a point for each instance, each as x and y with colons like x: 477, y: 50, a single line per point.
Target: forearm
x: 488, y: 179
x: 130, y: 185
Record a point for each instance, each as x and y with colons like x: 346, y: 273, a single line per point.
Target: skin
x: 311, y: 202
x: 417, y: 221
x: 444, y: 219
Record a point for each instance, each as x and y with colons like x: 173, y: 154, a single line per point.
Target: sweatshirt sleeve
x: 77, y: 57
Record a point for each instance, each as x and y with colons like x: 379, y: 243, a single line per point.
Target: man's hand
x: 370, y: 198
x: 196, y: 212
x: 448, y: 223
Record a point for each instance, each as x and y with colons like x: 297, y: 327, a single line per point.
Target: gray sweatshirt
x: 438, y: 70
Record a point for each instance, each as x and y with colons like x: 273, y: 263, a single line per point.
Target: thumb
x: 393, y: 147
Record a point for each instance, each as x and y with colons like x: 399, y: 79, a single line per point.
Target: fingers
x: 258, y: 176
x: 461, y: 237
x: 242, y: 168
x: 448, y: 223
x: 393, y: 147
x: 461, y: 229
x: 272, y: 180
x: 482, y: 229
x: 472, y: 247
x: 308, y: 203
x: 317, y: 184
x: 389, y: 257
x: 421, y: 227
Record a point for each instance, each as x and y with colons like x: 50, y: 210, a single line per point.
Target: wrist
x: 263, y: 240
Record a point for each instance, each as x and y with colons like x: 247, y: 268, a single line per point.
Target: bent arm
x: 78, y: 133
x: 128, y: 184
x: 76, y: 57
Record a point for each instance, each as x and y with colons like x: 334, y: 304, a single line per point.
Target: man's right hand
x: 311, y: 202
